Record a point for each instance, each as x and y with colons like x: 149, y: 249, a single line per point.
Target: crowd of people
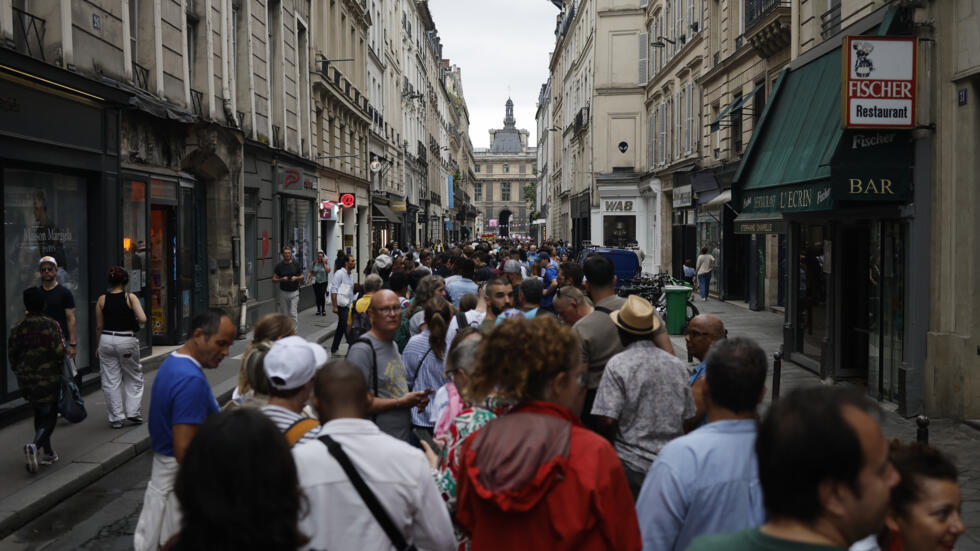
x: 503, y: 396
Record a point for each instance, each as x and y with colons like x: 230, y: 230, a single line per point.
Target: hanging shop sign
x: 682, y: 196
x: 348, y: 200
x: 399, y: 206
x: 879, y: 82
x: 327, y: 210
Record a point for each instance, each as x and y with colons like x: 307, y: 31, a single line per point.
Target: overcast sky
x: 498, y: 43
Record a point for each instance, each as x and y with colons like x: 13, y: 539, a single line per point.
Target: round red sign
x: 347, y: 200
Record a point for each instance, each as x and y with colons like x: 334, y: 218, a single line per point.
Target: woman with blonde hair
x: 424, y: 357
x: 270, y: 327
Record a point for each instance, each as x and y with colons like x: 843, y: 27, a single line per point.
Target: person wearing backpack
x: 378, y: 358
x: 290, y: 365
x: 358, y: 320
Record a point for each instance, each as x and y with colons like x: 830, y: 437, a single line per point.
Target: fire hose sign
x: 879, y: 84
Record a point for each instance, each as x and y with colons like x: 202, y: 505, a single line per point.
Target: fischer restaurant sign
x: 879, y: 82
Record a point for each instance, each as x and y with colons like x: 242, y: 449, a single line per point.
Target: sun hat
x: 291, y: 362
x: 636, y: 316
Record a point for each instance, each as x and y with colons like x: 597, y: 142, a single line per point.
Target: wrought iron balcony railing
x: 141, y: 75
x: 830, y: 22
x: 197, y: 100
x: 757, y: 9
x: 29, y: 34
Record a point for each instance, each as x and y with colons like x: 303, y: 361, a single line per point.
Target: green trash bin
x: 677, y: 296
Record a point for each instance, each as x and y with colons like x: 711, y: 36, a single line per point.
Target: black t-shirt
x: 56, y: 301
x: 288, y: 270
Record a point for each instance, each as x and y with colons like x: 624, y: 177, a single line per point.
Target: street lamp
x: 324, y: 63
x: 659, y: 43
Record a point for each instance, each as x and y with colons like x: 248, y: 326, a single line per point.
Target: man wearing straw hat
x: 643, y: 397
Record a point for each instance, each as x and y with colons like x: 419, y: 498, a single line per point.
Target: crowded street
x: 468, y: 275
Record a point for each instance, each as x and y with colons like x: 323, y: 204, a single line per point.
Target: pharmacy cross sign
x: 879, y: 82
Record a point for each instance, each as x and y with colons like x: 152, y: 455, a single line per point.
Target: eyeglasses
x: 388, y: 310
x: 48, y: 269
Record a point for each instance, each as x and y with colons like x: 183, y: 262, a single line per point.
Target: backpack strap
x: 299, y: 428
x: 371, y: 500
x: 374, y: 362
x: 374, y: 367
x: 603, y: 309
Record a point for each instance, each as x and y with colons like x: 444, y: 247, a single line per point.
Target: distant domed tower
x: 508, y: 139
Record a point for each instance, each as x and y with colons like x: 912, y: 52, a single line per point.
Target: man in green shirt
x: 825, y: 475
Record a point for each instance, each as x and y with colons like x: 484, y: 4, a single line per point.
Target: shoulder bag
x: 371, y: 500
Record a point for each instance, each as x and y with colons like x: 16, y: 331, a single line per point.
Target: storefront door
x: 811, y: 314
x: 886, y: 315
x: 163, y: 274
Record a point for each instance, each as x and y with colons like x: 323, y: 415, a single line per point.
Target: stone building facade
x: 502, y: 172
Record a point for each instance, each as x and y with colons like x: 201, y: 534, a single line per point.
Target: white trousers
x: 289, y: 304
x: 122, y: 376
x: 160, y: 518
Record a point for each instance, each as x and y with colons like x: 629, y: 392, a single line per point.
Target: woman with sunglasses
x: 535, y: 477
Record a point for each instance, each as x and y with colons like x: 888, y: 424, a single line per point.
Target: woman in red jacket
x: 535, y: 478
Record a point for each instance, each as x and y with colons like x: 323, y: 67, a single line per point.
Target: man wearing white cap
x: 59, y: 303
x: 290, y: 366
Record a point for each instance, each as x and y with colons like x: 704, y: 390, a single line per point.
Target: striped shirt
x: 423, y: 371
x: 284, y: 418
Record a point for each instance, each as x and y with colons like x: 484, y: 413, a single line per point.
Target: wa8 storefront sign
x: 879, y: 82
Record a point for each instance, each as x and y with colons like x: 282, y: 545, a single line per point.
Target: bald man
x: 398, y: 474
x: 702, y: 332
x: 376, y: 355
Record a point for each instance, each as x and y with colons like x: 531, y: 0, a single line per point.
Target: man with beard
x: 498, y: 296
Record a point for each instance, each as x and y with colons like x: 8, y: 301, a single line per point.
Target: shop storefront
x: 683, y: 230
x: 282, y: 208
x: 838, y: 201
x: 625, y: 216
x: 60, y: 187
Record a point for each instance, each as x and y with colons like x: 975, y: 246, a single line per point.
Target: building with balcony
x: 502, y: 172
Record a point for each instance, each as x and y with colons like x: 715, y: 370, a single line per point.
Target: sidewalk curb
x: 22, y: 507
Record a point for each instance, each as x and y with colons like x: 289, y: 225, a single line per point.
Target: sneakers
x: 30, y: 457
x: 116, y: 424
x: 49, y: 458
x: 137, y: 420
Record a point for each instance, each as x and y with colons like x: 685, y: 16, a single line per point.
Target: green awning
x: 737, y: 104
x: 800, y: 158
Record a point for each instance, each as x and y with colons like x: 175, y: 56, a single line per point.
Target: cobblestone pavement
x: 960, y: 441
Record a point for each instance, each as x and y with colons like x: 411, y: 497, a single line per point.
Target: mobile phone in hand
x: 424, y: 436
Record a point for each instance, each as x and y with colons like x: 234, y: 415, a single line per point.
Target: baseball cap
x: 512, y: 267
x: 48, y: 259
x: 292, y: 362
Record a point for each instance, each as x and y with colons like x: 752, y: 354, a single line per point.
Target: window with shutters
x: 505, y: 191
x: 651, y: 133
x: 651, y: 51
x: 644, y: 48
x: 692, y: 127
x: 690, y: 18
x: 662, y: 124
x: 477, y: 192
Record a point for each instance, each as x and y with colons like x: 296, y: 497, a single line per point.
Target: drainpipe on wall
x: 227, y: 65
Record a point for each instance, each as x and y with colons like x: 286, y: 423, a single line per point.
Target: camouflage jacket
x: 37, y: 357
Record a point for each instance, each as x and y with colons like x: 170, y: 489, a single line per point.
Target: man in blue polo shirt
x: 180, y: 401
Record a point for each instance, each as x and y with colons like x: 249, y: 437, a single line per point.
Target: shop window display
x: 618, y: 231
x: 45, y: 215
x: 297, y: 225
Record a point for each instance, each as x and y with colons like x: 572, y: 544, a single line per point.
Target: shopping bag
x: 70, y: 403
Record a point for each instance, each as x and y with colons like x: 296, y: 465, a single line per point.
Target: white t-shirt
x: 473, y: 319
x: 398, y: 474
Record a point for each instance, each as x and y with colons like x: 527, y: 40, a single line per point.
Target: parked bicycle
x: 651, y: 288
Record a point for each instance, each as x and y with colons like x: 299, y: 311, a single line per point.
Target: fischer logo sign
x: 879, y: 84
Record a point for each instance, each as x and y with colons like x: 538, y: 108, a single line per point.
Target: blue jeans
x: 704, y: 280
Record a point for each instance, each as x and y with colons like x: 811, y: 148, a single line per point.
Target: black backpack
x: 360, y: 324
